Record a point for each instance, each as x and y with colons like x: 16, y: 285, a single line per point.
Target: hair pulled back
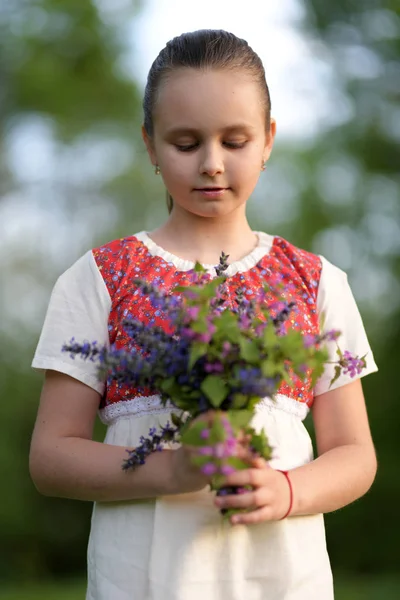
x: 203, y: 49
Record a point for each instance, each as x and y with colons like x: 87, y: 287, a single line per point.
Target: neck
x: 203, y: 239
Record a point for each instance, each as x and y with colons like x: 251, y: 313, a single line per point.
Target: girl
x: 156, y: 531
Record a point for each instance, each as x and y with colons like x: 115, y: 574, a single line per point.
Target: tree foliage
x: 62, y: 65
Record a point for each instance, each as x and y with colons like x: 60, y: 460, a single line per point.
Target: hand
x: 269, y: 499
x: 187, y: 477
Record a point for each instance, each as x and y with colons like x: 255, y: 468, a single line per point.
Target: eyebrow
x: 194, y: 131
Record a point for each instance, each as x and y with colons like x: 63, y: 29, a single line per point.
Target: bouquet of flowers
x: 215, y: 358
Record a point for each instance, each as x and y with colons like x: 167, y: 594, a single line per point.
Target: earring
x: 264, y: 166
x: 157, y: 170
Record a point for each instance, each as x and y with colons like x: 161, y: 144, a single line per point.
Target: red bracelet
x: 286, y: 474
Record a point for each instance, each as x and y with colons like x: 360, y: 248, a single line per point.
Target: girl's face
x: 210, y: 139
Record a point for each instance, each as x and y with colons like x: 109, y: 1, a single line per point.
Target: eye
x: 235, y: 145
x: 186, y: 147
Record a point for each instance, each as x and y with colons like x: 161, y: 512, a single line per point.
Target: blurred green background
x: 73, y: 174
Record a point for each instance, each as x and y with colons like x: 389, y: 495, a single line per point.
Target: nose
x: 212, y: 162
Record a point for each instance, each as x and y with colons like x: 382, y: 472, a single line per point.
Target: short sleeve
x: 338, y: 308
x: 79, y: 308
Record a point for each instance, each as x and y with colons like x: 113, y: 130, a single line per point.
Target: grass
x: 65, y: 590
x: 383, y: 587
x: 347, y: 588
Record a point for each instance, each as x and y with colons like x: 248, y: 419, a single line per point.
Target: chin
x: 213, y: 209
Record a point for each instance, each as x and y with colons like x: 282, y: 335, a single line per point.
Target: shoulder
x: 80, y: 274
x: 100, y: 266
x: 118, y: 258
x: 315, y: 270
x: 117, y: 250
x: 297, y: 257
x: 297, y: 263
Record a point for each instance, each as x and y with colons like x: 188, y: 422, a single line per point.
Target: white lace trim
x: 138, y: 406
x: 151, y: 405
x: 265, y: 242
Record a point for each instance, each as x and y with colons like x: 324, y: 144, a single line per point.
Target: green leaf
x: 198, y: 267
x: 227, y: 327
x: 200, y: 325
x: 259, y: 442
x: 286, y: 378
x: 237, y: 463
x: 240, y: 401
x: 217, y: 431
x: 168, y: 385
x: 176, y: 419
x: 249, y: 350
x: 252, y: 402
x: 240, y: 418
x: 217, y: 482
x: 199, y: 461
x: 192, y: 435
x: 185, y: 426
x: 338, y: 371
x: 208, y: 291
x: 268, y: 367
x: 215, y: 389
x: 197, y: 351
x: 316, y: 373
x: 269, y: 336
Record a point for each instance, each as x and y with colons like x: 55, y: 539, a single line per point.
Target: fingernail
x: 235, y: 519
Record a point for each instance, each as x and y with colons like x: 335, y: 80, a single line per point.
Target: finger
x: 243, y: 438
x: 255, y: 516
x: 244, y: 453
x: 259, y: 463
x: 249, y: 499
x: 254, y: 477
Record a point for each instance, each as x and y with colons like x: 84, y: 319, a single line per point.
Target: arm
x: 343, y: 472
x: 65, y: 462
x: 346, y: 466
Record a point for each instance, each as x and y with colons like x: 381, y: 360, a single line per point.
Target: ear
x: 269, y: 140
x: 149, y: 146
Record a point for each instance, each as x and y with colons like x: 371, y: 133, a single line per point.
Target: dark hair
x: 203, y: 49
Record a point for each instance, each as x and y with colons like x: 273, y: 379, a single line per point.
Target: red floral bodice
x: 122, y: 261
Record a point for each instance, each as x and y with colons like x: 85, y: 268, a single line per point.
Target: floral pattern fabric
x: 122, y: 261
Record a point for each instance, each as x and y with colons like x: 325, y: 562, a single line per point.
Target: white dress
x: 178, y: 547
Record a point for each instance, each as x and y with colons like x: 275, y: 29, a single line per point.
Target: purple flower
x: 333, y: 335
x: 206, y: 451
x: 220, y: 450
x: 193, y: 312
x: 352, y: 364
x: 189, y: 333
x: 147, y: 446
x: 205, y: 338
x: 309, y: 340
x: 216, y: 367
x: 205, y: 434
x: 226, y: 346
x: 208, y: 469
x: 244, y: 321
x: 227, y: 470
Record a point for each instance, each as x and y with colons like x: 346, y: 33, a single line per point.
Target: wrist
x: 289, y: 510
x: 162, y: 465
x: 184, y: 476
